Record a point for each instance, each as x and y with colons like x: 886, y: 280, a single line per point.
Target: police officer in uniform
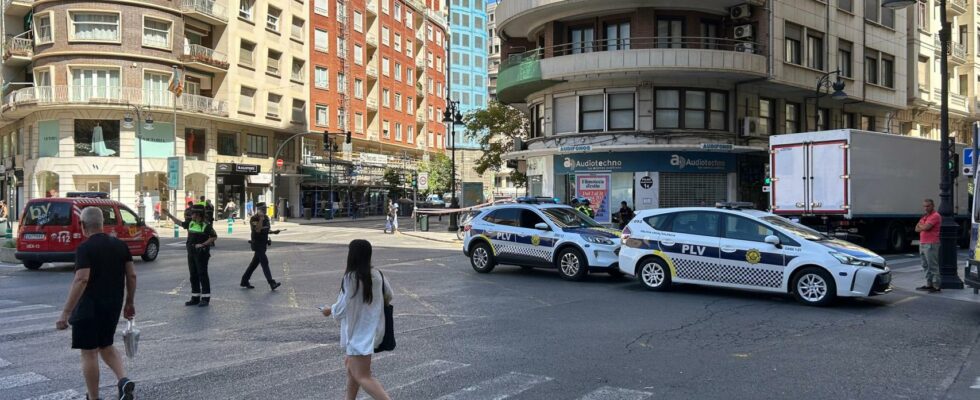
x: 200, y: 238
x: 582, y: 205
x: 260, y: 242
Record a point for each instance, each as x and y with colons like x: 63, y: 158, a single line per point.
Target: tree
x: 393, y: 181
x: 440, y: 169
x: 496, y: 127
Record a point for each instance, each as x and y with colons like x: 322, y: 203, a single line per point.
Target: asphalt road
x: 509, y: 334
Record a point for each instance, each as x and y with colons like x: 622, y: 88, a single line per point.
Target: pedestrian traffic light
x: 767, y: 178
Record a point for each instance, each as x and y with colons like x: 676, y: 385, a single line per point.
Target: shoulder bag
x: 388, y: 341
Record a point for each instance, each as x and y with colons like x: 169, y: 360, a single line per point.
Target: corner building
x: 661, y: 105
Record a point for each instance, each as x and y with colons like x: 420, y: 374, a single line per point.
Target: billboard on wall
x: 641, y: 161
x: 595, y: 187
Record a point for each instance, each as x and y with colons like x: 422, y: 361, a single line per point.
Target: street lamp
x: 451, y: 117
x: 330, y: 146
x: 824, y: 84
x: 949, y: 230
x: 147, y: 125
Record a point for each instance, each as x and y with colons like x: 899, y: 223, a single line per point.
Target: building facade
x: 493, y: 49
x: 660, y: 106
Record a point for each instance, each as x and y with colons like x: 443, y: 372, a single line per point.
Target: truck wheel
x: 151, y: 251
x: 897, y: 239
x: 33, y: 265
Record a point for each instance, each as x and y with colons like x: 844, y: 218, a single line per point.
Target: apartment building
x: 493, y: 49
x: 665, y: 105
x: 379, y: 73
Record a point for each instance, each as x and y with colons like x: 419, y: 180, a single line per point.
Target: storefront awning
x: 260, y: 179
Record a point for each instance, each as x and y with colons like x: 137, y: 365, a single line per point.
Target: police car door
x: 536, y: 246
x: 692, y: 245
x: 503, y: 235
x: 750, y: 261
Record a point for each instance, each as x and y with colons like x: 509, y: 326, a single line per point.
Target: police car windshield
x: 569, y: 218
x: 795, y: 228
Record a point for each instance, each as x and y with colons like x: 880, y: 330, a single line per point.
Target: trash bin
x: 424, y: 222
x: 308, y: 213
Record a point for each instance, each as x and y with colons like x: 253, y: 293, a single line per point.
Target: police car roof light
x: 537, y: 200
x: 734, y: 205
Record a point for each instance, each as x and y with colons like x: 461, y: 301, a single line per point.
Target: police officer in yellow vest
x: 200, y: 238
x: 583, y: 205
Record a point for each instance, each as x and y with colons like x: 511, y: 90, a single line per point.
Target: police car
x: 729, y: 246
x: 540, y: 235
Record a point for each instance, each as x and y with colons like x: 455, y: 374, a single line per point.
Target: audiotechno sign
x: 663, y: 161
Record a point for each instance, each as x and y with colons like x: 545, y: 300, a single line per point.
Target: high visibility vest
x: 197, y: 227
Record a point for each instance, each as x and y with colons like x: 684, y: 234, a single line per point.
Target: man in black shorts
x: 103, y: 269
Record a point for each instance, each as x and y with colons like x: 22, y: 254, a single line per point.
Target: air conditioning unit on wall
x: 745, y: 48
x: 741, y: 11
x: 743, y: 31
x: 750, y: 126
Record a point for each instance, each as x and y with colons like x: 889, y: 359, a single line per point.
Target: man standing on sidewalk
x: 928, y: 228
x: 103, y: 268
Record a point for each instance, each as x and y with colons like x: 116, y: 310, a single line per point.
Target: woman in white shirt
x: 361, y: 319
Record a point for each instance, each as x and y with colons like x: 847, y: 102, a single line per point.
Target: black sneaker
x: 274, y: 285
x: 925, y: 288
x: 126, y: 388
x: 193, y: 302
x: 247, y: 285
x: 205, y: 302
x: 935, y: 290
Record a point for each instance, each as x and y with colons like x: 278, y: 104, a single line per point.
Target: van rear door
x: 49, y: 226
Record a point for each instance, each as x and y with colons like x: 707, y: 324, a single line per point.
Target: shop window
x: 228, y: 144
x: 195, y: 142
x: 96, y: 138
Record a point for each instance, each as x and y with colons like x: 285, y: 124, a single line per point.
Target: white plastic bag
x: 131, y: 338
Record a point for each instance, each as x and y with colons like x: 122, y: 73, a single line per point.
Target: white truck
x: 861, y: 186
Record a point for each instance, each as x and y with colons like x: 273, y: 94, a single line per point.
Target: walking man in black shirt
x: 200, y: 237
x: 103, y: 269
x: 260, y: 242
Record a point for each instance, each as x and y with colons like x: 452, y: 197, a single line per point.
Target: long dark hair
x: 359, y: 266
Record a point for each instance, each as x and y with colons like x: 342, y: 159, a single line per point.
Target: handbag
x: 388, y: 341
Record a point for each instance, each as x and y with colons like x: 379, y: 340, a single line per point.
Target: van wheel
x: 814, y: 287
x: 151, y: 251
x: 481, y: 258
x: 33, y: 265
x: 572, y: 265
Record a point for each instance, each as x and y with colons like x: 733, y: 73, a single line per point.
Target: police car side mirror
x: 542, y: 226
x: 773, y: 240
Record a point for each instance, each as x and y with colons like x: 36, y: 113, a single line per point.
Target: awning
x: 260, y: 179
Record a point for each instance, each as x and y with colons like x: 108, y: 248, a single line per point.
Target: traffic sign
x: 968, y: 156
x: 279, y: 162
x: 175, y: 173
x: 423, y: 181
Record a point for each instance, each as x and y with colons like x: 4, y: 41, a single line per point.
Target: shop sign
x: 717, y: 146
x: 175, y: 173
x: 664, y: 161
x: 249, y: 169
x: 224, y: 168
x: 595, y: 188
x: 373, y: 159
x: 570, y: 149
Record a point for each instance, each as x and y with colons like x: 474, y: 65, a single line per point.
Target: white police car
x: 747, y: 249
x: 540, y: 235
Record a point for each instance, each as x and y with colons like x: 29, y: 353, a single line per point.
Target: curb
x: 419, y: 236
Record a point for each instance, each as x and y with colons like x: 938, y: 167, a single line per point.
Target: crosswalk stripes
x: 500, y: 387
x: 62, y: 395
x: 8, y: 302
x: 976, y: 385
x: 611, y: 393
x: 29, y: 307
x: 27, y: 378
x: 21, y: 318
x: 410, y: 376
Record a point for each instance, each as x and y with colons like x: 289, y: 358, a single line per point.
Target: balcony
x: 208, y: 11
x: 371, y: 6
x: 18, y: 50
x: 957, y: 102
x: 372, y: 71
x: 200, y: 104
x: 372, y: 104
x: 44, y: 96
x: 420, y: 36
x: 203, y: 58
x: 436, y: 17
x: 956, y: 7
x: 371, y: 39
x: 420, y: 61
x: 640, y: 58
x: 17, y: 8
x: 420, y: 118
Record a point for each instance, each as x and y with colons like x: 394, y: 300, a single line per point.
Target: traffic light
x: 415, y: 180
x: 347, y: 139
x: 954, y: 165
x: 326, y: 141
x: 767, y: 179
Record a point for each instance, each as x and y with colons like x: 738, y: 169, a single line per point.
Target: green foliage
x: 440, y: 169
x: 393, y: 181
x: 496, y: 127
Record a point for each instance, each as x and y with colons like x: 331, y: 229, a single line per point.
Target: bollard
x: 10, y: 232
x: 231, y: 221
x: 176, y: 231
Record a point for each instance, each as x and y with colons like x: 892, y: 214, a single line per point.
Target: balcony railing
x: 55, y: 95
x: 372, y: 104
x: 372, y: 39
x: 297, y: 76
x: 206, y: 7
x: 200, y: 54
x: 206, y: 105
x: 372, y: 6
x: 372, y: 71
x: 436, y: 17
x: 18, y: 46
x: 957, y: 101
x: 959, y: 51
x: 7, y: 3
x: 956, y: 6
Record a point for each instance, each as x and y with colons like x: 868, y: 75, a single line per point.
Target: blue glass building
x: 468, y: 62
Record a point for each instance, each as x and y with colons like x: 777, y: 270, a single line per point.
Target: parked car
x: 540, y: 235
x: 435, y: 200
x: 739, y: 248
x: 50, y: 230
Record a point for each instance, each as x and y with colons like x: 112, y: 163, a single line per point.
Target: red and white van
x: 51, y: 229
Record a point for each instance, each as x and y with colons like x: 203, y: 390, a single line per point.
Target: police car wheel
x: 481, y: 258
x: 654, y: 274
x: 32, y: 265
x: 151, y: 251
x: 814, y: 286
x: 572, y: 265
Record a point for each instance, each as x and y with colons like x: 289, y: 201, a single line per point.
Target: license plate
x: 34, y: 236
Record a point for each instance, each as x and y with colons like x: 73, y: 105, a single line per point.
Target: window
x: 792, y: 117
x: 195, y: 143
x: 431, y: 142
x: 867, y: 123
x: 428, y: 32
x: 814, y: 49
x: 358, y: 122
x: 669, y: 33
x: 321, y: 115
x: 617, y: 36
x: 875, y: 13
x: 299, y: 111
x: 96, y: 138
x: 398, y: 132
x: 341, y: 11
x: 272, y: 19
x: 321, y: 77
x: 398, y: 72
x: 846, y: 5
x: 409, y: 75
x: 297, y: 74
x: 922, y: 73
x: 246, y: 100
x: 581, y: 40
x: 386, y: 98
x: 246, y: 54
x: 320, y: 7
x: 709, y: 34
x: 823, y: 119
x: 793, y: 44
x: 398, y: 101
x: 358, y: 21
x: 397, y: 14
x: 155, y: 87
x: 341, y: 83
x: 95, y: 83
x: 408, y: 18
x: 695, y: 223
x: 850, y: 121
x: 42, y: 28
x: 258, y: 145
x: 358, y: 54
x: 845, y: 59
x: 871, y: 66
x: 505, y: 217
x: 385, y: 36
x: 341, y: 47
x: 741, y: 228
x: 97, y: 27
x: 386, y: 66
x: 590, y: 112
x: 384, y: 6
x: 428, y: 59
x: 621, y: 111
x: 409, y: 50
x: 228, y: 144
x: 922, y: 15
x: 272, y: 63
x: 245, y: 9
x: 384, y: 129
x: 272, y: 106
x: 767, y: 111
x: 297, y: 29
x: 321, y: 41
x: 410, y: 105
x: 358, y: 88
x: 156, y: 33
x: 887, y: 71
x: 398, y: 42
x: 409, y: 134
x: 691, y: 109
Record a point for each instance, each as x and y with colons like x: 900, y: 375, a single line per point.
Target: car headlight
x: 598, y: 240
x: 848, y: 260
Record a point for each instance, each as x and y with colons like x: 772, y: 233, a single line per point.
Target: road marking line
x: 24, y: 308
x: 12, y: 381
x: 4, y: 265
x: 498, y: 388
x: 905, y: 300
x: 976, y: 385
x: 8, y: 302
x: 62, y: 395
x: 28, y: 329
x: 21, y: 318
x: 4, y: 363
x: 611, y: 393
x: 410, y: 376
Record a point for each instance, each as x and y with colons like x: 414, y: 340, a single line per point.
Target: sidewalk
x: 438, y: 230
x: 911, y: 277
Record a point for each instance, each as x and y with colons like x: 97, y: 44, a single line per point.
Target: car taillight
x: 626, y: 233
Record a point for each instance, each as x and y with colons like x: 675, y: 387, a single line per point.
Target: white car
x: 540, y: 235
x: 747, y: 249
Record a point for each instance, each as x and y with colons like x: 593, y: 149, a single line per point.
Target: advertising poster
x: 596, y: 188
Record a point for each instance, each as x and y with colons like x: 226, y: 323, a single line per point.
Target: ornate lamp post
x: 147, y: 125
x: 824, y: 84
x: 451, y: 117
